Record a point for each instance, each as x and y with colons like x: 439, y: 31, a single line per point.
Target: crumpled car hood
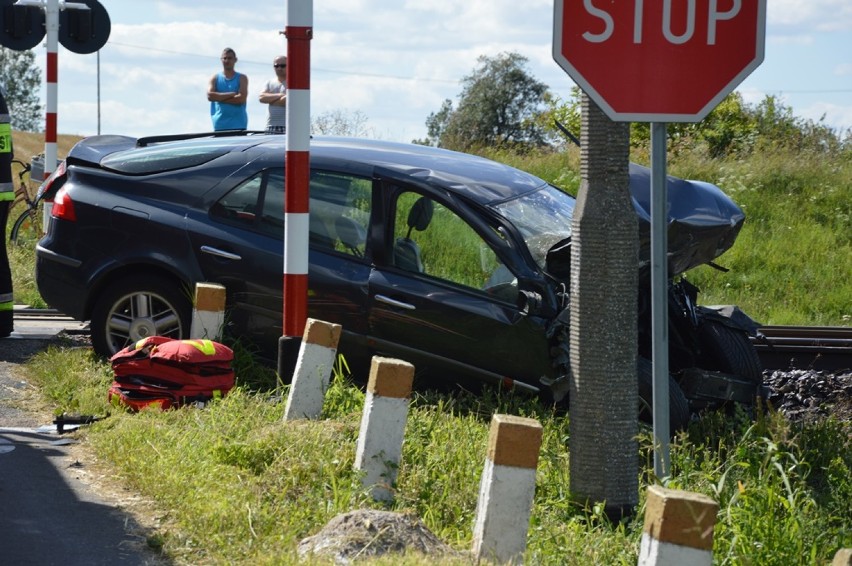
x: 703, y: 222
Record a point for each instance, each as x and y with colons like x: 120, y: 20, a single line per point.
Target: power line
x: 422, y: 79
x: 317, y: 69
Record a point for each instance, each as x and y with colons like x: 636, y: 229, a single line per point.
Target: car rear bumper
x: 59, y: 284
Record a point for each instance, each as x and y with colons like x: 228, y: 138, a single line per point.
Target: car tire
x: 728, y: 350
x: 137, y: 307
x: 678, y: 405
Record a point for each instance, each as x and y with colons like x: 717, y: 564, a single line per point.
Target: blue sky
x: 393, y: 61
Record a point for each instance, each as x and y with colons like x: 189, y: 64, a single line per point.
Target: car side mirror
x: 529, y: 302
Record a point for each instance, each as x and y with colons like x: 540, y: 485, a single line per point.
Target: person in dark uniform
x: 7, y: 197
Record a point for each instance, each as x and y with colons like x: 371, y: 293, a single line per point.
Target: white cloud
x: 395, y: 61
x: 818, y: 13
x: 843, y: 70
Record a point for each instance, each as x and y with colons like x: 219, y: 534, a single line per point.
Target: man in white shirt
x: 275, y: 95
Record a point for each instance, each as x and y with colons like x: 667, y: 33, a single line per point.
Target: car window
x: 166, y: 157
x: 543, y: 218
x: 431, y: 239
x: 240, y: 205
x: 339, y: 209
x: 272, y: 220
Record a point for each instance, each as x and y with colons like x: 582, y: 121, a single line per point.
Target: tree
x: 339, y: 123
x: 498, y: 105
x: 436, y: 123
x: 21, y: 80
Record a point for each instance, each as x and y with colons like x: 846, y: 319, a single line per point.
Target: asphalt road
x: 49, y: 514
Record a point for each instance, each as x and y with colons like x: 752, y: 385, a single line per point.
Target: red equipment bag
x: 136, y: 400
x: 170, y: 373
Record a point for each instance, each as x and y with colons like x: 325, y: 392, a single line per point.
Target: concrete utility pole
x: 604, y: 257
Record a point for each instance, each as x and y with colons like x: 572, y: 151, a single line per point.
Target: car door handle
x: 220, y: 253
x: 395, y: 303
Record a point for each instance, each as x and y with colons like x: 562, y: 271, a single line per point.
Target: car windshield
x: 543, y: 218
x: 167, y: 157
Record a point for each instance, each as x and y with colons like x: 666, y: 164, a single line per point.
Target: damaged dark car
x: 422, y: 254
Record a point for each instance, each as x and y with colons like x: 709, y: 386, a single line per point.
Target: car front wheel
x: 678, y: 405
x: 137, y: 307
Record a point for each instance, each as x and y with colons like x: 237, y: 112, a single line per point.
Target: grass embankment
x: 792, y: 261
x: 242, y: 487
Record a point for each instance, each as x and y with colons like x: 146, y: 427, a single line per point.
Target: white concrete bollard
x: 313, y: 370
x: 842, y: 557
x: 678, y: 528
x: 383, y: 424
x: 208, y: 315
x: 506, y: 490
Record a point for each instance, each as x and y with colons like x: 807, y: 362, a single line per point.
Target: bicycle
x: 27, y: 226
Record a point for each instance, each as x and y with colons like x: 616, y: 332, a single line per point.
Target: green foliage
x: 498, y: 105
x: 436, y: 124
x: 732, y: 129
x: 792, y: 261
x: 21, y: 262
x: 73, y: 380
x: 776, y: 482
x: 562, y: 120
x: 254, y: 374
x: 20, y: 79
x: 242, y: 486
x: 736, y: 129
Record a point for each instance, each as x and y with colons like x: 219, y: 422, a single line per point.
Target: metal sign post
x: 659, y: 301
x: 658, y: 61
x: 297, y: 172
x: 51, y: 18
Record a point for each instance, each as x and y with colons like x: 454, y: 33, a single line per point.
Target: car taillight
x: 63, y: 206
x: 47, y: 191
x: 48, y: 188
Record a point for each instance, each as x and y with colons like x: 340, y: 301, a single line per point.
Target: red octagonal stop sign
x: 658, y: 60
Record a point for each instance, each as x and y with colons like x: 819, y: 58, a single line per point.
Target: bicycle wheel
x: 26, y: 230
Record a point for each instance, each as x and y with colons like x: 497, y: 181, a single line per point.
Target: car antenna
x: 567, y: 133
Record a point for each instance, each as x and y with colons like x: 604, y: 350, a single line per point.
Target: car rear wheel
x: 137, y: 307
x: 678, y: 405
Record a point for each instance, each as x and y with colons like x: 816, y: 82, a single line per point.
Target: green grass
x: 792, y: 262
x: 242, y: 486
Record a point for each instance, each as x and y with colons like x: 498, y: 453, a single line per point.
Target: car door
x: 239, y: 244
x: 443, y: 299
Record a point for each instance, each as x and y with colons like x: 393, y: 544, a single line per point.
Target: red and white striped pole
x: 51, y: 20
x: 299, y: 32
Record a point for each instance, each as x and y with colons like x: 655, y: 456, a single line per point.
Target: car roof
x: 478, y: 179
x: 481, y: 180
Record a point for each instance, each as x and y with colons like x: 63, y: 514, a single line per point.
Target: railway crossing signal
x: 84, y: 26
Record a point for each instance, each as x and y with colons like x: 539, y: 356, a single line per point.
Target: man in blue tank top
x: 227, y: 93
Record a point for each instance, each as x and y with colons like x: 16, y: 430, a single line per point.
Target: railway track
x: 43, y: 323
x: 824, y: 348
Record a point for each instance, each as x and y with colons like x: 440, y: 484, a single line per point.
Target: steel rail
x: 823, y: 348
